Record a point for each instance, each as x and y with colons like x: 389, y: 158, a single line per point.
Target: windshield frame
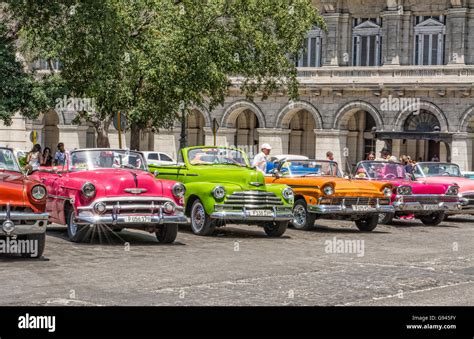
x: 365, y: 163
x: 89, y: 168
x: 419, y: 169
x: 231, y: 149
x: 15, y: 160
x: 331, y: 163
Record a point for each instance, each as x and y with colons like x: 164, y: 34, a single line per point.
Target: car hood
x: 113, y: 182
x: 245, y: 177
x: 465, y: 184
x: 418, y: 187
x: 14, y: 189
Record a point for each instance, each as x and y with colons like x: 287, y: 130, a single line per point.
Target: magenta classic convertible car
x: 435, y: 172
x: 428, y: 202
x: 111, y: 188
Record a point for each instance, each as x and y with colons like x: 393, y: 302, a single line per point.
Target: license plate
x: 138, y: 218
x: 260, y: 213
x: 430, y: 207
x: 363, y: 208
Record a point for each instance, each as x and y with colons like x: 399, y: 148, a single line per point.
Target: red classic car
x: 427, y: 201
x: 435, y: 172
x: 113, y: 188
x: 22, y: 206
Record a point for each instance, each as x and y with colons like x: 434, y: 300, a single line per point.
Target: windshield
x: 8, y: 161
x: 434, y: 169
x: 97, y: 159
x: 309, y: 167
x: 217, y: 156
x: 381, y: 170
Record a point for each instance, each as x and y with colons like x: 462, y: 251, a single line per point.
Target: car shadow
x: 231, y: 232
x: 111, y: 238
x: 331, y: 229
x: 417, y: 223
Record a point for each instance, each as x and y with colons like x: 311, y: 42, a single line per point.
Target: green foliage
x: 152, y: 58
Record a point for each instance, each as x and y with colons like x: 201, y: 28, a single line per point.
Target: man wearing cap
x: 260, y: 160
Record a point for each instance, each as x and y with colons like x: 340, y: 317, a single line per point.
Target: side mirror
x: 276, y: 173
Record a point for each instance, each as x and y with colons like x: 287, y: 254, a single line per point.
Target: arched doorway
x: 302, y: 140
x: 195, y: 128
x: 246, y: 136
x: 423, y: 150
x: 50, y: 130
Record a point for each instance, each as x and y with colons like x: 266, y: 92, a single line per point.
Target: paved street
x: 404, y: 264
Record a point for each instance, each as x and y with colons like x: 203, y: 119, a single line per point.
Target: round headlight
x: 88, y: 190
x: 328, y: 190
x: 218, y: 192
x: 38, y: 192
x: 452, y: 190
x: 404, y: 190
x: 288, y: 193
x: 178, y: 190
x: 387, y: 191
x: 100, y: 207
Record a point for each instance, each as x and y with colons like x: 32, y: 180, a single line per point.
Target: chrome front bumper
x: 417, y: 207
x: 280, y: 214
x: 38, y: 227
x: 348, y: 210
x: 120, y: 219
x: 465, y: 207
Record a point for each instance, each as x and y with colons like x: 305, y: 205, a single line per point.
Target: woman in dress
x: 34, y: 158
x: 47, y: 157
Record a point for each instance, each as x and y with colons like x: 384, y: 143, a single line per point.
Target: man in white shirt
x: 260, y: 160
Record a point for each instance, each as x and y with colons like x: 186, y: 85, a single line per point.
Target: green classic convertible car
x: 221, y: 187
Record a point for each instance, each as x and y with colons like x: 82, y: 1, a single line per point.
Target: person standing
x: 260, y: 160
x: 60, y: 156
x: 329, y: 168
x: 34, y: 159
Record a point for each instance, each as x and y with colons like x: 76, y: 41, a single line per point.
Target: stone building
x: 393, y: 73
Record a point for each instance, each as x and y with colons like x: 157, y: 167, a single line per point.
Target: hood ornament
x: 135, y: 190
x: 257, y: 184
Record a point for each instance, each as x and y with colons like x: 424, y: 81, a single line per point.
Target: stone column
x: 278, y: 138
x: 167, y: 141
x: 330, y: 55
x: 225, y: 136
x: 456, y: 32
x: 461, y: 151
x: 392, y: 34
x: 334, y: 141
x: 73, y: 136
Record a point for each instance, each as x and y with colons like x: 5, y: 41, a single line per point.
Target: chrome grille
x: 470, y: 197
x: 435, y: 199
x: 252, y: 199
x: 356, y: 201
x: 125, y: 205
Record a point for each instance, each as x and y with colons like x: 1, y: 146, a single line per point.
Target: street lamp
x: 182, y: 139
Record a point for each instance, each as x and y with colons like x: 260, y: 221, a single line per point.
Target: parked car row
x: 211, y: 186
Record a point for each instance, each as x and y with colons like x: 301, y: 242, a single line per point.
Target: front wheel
x: 302, y: 220
x: 167, y: 234
x: 201, y: 223
x: 368, y: 223
x: 74, y: 231
x: 433, y: 219
x: 275, y: 229
x: 37, y: 241
x: 386, y: 218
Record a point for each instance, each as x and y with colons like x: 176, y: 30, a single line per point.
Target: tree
x: 20, y: 92
x: 155, y: 58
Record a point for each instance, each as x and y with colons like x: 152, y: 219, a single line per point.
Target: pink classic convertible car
x: 111, y: 188
x: 428, y: 202
x: 434, y: 172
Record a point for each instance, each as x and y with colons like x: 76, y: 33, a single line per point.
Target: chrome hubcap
x: 73, y: 226
x: 299, y: 216
x: 199, y: 216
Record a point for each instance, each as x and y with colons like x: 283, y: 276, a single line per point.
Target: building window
x: 429, y: 40
x: 310, y: 55
x: 366, y: 41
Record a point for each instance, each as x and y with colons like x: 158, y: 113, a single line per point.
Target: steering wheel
x: 389, y: 176
x: 446, y: 173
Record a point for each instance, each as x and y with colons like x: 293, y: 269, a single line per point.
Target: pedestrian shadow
x: 105, y: 236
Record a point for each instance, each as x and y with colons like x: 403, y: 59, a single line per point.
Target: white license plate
x: 260, y: 213
x: 363, y: 208
x: 138, y: 218
x: 430, y: 207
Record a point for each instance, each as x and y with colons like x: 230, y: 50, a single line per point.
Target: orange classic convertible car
x: 321, y: 191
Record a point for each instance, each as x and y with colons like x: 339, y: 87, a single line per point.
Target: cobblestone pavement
x: 403, y: 264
